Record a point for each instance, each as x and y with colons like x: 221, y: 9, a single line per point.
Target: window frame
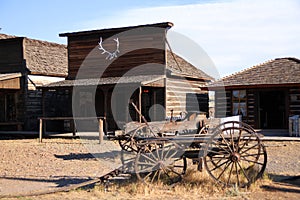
x: 239, y: 99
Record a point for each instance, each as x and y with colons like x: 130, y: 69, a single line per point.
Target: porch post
x: 105, y: 92
x: 41, y: 130
x: 140, y: 103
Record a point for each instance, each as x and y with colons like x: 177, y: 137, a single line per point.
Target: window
x: 239, y: 102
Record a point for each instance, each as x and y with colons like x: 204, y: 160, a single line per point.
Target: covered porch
x: 105, y: 97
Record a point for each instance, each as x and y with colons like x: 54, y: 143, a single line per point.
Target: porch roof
x: 142, y: 80
x: 7, y: 76
x: 10, y: 81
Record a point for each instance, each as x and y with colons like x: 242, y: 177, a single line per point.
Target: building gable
x: 139, y: 47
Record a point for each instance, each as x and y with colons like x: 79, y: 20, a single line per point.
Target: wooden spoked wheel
x: 235, y: 155
x: 164, y: 163
x: 130, y: 144
x: 204, y: 130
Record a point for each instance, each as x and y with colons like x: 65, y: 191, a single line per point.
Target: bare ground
x: 27, y: 166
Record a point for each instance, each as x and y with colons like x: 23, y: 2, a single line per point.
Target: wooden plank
x: 10, y: 84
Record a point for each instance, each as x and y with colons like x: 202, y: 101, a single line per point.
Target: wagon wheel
x: 235, y: 155
x: 165, y: 163
x: 127, y: 144
x: 130, y: 144
x: 204, y: 130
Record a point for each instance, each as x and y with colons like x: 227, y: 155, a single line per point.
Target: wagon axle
x: 235, y: 157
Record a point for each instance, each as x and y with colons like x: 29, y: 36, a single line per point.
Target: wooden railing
x: 100, y: 120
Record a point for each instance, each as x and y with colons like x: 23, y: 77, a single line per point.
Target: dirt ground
x: 27, y: 166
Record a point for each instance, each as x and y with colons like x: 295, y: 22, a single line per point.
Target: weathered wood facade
x: 25, y: 64
x: 265, y: 95
x: 143, y: 71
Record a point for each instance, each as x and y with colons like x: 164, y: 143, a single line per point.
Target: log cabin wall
x: 223, y: 103
x: 290, y: 100
x: 251, y: 108
x: 136, y: 49
x: 184, y: 94
x: 33, y: 100
x: 294, y: 101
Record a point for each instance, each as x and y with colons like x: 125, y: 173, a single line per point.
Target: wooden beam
x: 101, y: 134
x: 140, y: 104
x: 10, y: 84
x: 41, y: 131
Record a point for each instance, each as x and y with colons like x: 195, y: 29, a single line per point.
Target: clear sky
x: 236, y: 34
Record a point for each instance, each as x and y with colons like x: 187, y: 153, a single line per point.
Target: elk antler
x: 111, y: 55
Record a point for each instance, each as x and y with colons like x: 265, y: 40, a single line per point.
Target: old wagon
x: 232, y: 152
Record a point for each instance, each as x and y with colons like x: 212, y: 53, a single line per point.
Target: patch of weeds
x: 265, y: 176
x: 234, y: 191
x: 24, y: 198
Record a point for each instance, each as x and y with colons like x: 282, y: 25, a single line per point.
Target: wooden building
x: 265, y: 95
x: 142, y: 68
x: 26, y: 64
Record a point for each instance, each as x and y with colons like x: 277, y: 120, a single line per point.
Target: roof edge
x: 258, y: 65
x: 10, y: 76
x: 118, y: 29
x: 230, y: 87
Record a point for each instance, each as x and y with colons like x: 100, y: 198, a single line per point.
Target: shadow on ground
x: 284, y: 183
x: 58, y: 181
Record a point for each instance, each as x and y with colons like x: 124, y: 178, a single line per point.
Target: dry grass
x: 194, y: 185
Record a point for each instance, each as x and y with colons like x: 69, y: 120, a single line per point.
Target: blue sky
x: 236, y: 34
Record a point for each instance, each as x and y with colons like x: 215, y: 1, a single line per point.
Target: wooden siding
x: 294, y: 101
x: 10, y: 84
x: 11, y: 55
x: 185, y: 95
x: 135, y: 50
x: 251, y: 108
x: 291, y: 100
x: 223, y: 103
x: 33, y: 106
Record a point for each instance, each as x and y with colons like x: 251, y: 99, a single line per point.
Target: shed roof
x: 5, y: 36
x: 180, y: 67
x: 105, y: 81
x: 280, y: 71
x: 42, y: 57
x: 46, y: 58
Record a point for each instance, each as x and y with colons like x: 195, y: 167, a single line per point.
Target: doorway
x: 272, y: 110
x: 153, y: 104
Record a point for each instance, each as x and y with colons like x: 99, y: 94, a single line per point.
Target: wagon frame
x: 232, y: 153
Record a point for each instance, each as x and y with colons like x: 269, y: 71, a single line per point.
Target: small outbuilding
x: 26, y: 64
x: 266, y: 95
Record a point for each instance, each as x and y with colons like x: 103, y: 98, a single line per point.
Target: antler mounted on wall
x: 110, y: 55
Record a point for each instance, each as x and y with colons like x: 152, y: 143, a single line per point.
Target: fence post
x: 41, y: 130
x: 100, y: 131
